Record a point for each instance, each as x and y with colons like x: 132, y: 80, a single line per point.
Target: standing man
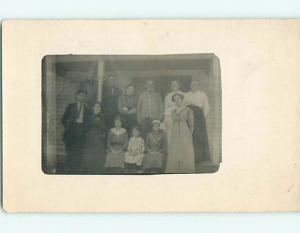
x: 74, y: 121
x: 149, y: 108
x: 111, y: 94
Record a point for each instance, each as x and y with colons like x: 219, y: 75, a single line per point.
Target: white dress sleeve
x: 205, y: 105
x: 168, y: 104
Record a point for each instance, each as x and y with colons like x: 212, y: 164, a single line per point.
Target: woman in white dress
x: 181, y: 152
x: 169, y: 107
x: 198, y: 102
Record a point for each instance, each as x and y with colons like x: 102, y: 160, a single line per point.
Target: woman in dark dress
x: 94, y: 154
x: 127, y: 108
x: 198, y: 102
x: 156, y: 147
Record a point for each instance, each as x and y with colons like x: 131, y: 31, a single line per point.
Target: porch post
x: 100, y: 74
x: 215, y: 74
x: 50, y: 114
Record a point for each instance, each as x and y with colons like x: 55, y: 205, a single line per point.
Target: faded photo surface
x: 131, y: 114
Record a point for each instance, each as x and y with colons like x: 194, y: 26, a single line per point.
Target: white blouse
x: 198, y: 98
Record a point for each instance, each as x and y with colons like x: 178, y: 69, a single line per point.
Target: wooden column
x: 215, y: 73
x: 50, y: 114
x: 100, y: 74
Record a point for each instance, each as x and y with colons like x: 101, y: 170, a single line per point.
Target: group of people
x: 127, y: 133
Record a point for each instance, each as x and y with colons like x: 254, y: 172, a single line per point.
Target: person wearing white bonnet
x: 156, y: 149
x: 156, y: 122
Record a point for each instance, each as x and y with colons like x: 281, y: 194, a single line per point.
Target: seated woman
x: 117, y: 141
x: 156, y: 147
x: 135, y: 152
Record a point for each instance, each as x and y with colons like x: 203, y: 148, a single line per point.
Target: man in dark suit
x: 74, y: 121
x: 111, y: 94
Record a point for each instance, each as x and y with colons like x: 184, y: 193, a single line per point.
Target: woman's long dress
x: 117, y: 141
x: 94, y: 151
x: 156, y: 146
x: 181, y: 151
x: 200, y: 137
x: 200, y: 107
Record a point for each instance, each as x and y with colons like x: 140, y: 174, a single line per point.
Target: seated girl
x: 156, y: 147
x: 135, y: 152
x: 117, y: 141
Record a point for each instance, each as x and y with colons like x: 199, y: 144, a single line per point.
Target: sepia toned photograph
x: 181, y: 119
x: 145, y: 114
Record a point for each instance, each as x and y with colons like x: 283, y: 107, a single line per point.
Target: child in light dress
x: 135, y: 152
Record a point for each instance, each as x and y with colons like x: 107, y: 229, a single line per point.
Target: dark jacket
x: 110, y: 101
x: 70, y: 116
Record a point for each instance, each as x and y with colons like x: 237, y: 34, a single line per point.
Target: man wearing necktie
x: 74, y: 121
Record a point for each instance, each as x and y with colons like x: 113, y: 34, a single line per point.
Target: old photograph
x: 171, y: 116
x: 131, y: 114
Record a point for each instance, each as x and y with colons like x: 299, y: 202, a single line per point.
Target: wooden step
x: 207, y: 167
